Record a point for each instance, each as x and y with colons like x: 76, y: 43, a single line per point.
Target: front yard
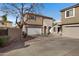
x: 43, y: 46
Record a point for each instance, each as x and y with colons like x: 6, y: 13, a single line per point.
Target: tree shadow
x: 18, y: 44
x: 29, y: 38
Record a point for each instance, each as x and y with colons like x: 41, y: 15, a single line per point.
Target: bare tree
x: 19, y: 9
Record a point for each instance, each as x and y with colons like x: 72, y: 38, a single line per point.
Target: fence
x: 12, y: 33
x: 3, y: 32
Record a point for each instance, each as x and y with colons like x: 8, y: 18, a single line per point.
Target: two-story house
x: 70, y: 21
x: 37, y: 24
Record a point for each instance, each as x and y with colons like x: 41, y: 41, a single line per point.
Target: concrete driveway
x: 47, y: 46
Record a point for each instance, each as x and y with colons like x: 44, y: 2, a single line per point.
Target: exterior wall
x: 72, y: 19
x: 14, y: 34
x: 71, y: 31
x: 70, y: 27
x: 37, y: 21
x: 47, y: 23
x: 9, y: 24
x: 1, y: 25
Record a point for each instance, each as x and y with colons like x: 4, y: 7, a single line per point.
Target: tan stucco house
x: 37, y: 24
x: 57, y: 28
x: 70, y: 21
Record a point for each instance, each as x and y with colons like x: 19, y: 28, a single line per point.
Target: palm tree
x: 4, y: 17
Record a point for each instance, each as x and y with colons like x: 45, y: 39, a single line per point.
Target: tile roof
x: 40, y: 15
x: 74, y: 6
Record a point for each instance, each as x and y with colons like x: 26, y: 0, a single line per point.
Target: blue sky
x: 51, y: 10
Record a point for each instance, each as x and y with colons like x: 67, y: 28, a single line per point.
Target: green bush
x: 3, y: 40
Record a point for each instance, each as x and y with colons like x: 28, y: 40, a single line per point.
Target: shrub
x: 3, y: 40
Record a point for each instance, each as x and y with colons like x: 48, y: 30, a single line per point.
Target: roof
x: 9, y: 21
x: 74, y: 6
x: 40, y: 15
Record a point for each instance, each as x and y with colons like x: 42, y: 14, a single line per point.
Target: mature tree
x: 19, y: 9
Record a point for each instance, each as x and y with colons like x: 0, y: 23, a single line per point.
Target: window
x: 70, y: 13
x: 32, y: 17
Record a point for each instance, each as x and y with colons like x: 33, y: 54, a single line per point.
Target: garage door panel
x: 72, y: 32
x: 34, y: 31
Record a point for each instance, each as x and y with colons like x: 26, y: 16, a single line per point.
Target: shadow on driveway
x: 16, y: 45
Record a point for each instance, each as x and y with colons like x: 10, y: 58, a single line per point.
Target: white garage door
x: 72, y: 31
x: 34, y: 31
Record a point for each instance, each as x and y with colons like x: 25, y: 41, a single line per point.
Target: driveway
x: 51, y: 45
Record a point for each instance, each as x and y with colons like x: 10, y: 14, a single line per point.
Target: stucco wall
x: 71, y: 19
x: 9, y: 25
x: 70, y: 31
x: 47, y: 23
x: 37, y: 21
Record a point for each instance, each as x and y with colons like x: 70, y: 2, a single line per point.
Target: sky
x: 53, y: 9
x: 50, y: 10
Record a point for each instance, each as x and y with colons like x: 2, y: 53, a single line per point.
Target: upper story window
x: 33, y: 17
x: 70, y: 13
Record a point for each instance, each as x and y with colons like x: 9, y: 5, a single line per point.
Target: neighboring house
x: 57, y: 28
x: 8, y: 23
x: 70, y: 21
x: 37, y: 24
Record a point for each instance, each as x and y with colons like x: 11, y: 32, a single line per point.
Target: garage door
x: 34, y: 31
x: 71, y: 31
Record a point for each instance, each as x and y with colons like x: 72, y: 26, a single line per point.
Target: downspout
x: 42, y: 26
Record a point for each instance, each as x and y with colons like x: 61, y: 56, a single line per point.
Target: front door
x: 45, y: 30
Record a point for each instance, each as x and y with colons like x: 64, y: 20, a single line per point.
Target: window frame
x: 73, y: 10
x: 32, y: 17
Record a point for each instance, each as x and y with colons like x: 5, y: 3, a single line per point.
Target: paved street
x: 45, y: 46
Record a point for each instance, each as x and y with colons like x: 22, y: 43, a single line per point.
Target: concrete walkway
x: 47, y: 46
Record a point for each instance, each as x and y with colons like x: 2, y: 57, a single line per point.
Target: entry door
x: 45, y: 30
